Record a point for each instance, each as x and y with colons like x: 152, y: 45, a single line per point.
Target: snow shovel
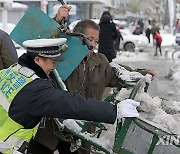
x: 35, y: 24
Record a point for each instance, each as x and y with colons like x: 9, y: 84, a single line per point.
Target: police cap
x: 46, y: 47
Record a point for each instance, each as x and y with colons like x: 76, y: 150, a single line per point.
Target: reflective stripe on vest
x: 12, y: 80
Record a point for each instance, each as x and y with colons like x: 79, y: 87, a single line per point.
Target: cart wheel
x: 129, y: 46
x: 176, y: 55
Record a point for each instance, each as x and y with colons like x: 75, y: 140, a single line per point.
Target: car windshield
x: 126, y: 31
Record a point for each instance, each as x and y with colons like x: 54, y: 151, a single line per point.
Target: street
x: 161, y: 86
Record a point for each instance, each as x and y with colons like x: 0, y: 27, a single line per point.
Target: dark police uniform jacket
x: 40, y: 99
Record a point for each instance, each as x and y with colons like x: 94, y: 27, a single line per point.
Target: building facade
x: 85, y: 9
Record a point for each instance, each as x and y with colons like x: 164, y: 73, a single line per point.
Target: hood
x: 105, y: 18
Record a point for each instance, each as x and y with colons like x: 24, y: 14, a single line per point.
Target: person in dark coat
x: 108, y: 34
x: 148, y: 33
x: 119, y: 36
x: 8, y: 54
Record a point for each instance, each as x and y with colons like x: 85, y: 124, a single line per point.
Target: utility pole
x: 174, y: 19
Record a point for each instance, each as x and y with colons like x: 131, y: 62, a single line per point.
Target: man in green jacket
x: 94, y: 73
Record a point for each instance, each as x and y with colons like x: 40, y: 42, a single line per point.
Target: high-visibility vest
x: 12, y: 134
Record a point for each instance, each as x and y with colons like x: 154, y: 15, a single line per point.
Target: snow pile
x: 176, y: 81
x: 131, y: 56
x: 72, y: 124
x: 174, y: 74
x: 162, y: 113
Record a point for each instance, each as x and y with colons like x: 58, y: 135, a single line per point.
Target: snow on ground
x: 131, y: 56
x: 168, y: 39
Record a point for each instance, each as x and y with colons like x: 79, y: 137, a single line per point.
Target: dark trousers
x: 158, y: 46
x: 148, y: 36
x: 37, y: 148
x: 45, y: 142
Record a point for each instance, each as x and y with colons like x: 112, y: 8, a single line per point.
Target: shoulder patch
x: 26, y: 72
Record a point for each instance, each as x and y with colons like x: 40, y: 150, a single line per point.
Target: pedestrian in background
x: 8, y: 54
x: 155, y: 28
x: 141, y: 24
x: 108, y: 34
x: 158, y: 41
x: 119, y: 36
x: 138, y: 30
x: 148, y: 33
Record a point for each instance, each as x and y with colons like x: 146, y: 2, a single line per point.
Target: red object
x: 158, y: 37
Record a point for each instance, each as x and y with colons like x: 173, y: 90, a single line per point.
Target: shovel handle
x: 61, y: 1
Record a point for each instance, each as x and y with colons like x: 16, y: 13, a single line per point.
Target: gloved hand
x: 127, y: 108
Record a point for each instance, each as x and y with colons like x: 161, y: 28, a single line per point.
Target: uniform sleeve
x: 8, y: 51
x: 48, y: 101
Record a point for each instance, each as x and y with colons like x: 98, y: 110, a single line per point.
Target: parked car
x: 130, y: 42
x: 133, y: 42
x: 120, y: 24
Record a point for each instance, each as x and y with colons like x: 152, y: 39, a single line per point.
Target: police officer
x: 27, y: 95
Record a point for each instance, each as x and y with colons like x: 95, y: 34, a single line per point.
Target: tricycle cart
x: 133, y: 135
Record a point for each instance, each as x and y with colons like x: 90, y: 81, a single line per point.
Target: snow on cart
x: 156, y: 130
